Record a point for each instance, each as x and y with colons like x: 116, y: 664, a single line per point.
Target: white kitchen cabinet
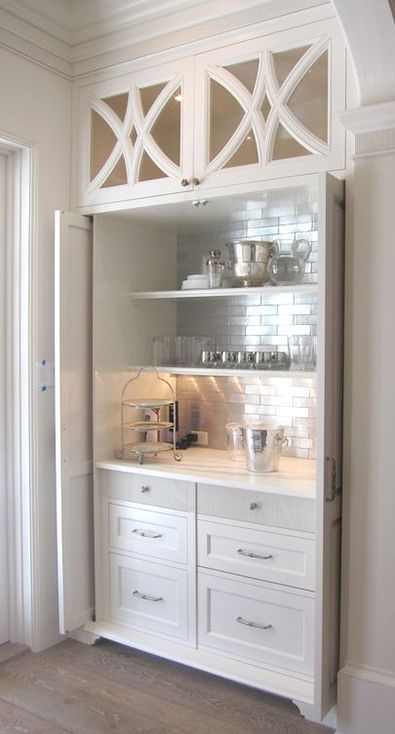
x: 249, y: 111
x: 298, y: 507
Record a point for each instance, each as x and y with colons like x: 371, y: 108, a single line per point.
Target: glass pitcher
x: 288, y: 269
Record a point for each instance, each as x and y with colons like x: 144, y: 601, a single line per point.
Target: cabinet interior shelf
x: 222, y: 292
x: 230, y: 372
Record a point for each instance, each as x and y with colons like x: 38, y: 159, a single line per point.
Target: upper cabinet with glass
x: 258, y: 109
x: 135, y: 135
x: 268, y: 107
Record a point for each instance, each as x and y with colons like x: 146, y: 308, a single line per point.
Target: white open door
x: 73, y: 380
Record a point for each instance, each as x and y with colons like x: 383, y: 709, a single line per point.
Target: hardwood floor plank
x: 99, y: 689
x: 15, y: 719
x: 11, y: 650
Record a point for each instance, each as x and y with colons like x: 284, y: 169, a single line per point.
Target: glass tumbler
x: 303, y: 352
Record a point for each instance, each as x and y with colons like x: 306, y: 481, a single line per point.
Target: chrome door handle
x: 259, y: 626
x: 147, y: 597
x: 250, y: 554
x: 144, y: 488
x: 145, y: 534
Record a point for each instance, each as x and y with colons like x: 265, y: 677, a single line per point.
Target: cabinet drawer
x: 265, y: 625
x: 149, y: 533
x: 294, y: 513
x: 149, y: 596
x: 147, y: 490
x: 258, y: 554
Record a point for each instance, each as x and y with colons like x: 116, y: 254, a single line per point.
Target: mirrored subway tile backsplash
x: 193, y: 250
x: 209, y: 403
x: 245, y: 322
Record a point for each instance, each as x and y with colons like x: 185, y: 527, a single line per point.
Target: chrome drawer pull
x: 145, y: 534
x: 254, y: 505
x: 250, y: 554
x: 144, y: 488
x: 254, y: 624
x: 147, y: 597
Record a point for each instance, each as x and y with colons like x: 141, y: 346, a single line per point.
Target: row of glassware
x: 201, y: 351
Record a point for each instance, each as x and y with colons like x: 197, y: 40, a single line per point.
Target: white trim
x: 368, y: 673
x: 117, y: 38
x: 369, y: 118
x: 366, y: 700
x: 21, y: 247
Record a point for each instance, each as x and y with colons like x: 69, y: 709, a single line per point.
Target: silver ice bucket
x: 249, y: 260
x: 262, y: 445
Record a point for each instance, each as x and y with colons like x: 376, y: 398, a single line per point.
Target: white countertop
x: 296, y: 477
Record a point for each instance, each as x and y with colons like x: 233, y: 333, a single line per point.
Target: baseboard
x: 366, y: 701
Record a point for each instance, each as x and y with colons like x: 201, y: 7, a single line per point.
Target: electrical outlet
x: 202, y: 438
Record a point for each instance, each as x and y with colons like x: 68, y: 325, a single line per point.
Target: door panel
x: 73, y: 377
x: 4, y: 601
x: 136, y: 134
x: 268, y: 106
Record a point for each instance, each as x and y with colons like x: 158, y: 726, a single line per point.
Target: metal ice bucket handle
x: 280, y: 440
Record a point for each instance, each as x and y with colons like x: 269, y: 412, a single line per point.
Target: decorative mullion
x: 138, y: 122
x: 106, y: 169
x: 232, y: 85
x: 143, y: 125
x: 301, y: 68
x: 127, y: 146
x: 257, y: 121
x: 232, y: 145
x: 243, y: 96
x: 273, y: 117
x: 302, y: 134
x: 116, y: 126
x: 290, y: 122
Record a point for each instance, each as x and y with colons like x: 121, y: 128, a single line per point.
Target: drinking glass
x: 303, y: 352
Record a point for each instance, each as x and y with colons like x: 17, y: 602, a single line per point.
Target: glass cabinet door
x: 138, y: 135
x: 270, y: 102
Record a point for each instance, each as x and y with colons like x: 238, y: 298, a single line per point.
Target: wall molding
x: 366, y: 700
x: 373, y: 127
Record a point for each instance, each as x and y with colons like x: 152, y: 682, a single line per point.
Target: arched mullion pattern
x: 115, y: 124
x: 145, y: 141
x: 279, y: 98
x: 245, y: 99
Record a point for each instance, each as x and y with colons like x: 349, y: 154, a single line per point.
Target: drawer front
x: 263, y: 625
x: 148, y: 596
x: 282, y: 559
x: 145, y: 490
x: 149, y: 533
x: 294, y: 513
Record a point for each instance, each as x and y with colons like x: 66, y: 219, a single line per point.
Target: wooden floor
x: 111, y: 689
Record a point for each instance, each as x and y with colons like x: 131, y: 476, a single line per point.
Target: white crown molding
x: 49, y: 16
x: 370, y: 118
x: 373, y: 127
x: 60, y: 34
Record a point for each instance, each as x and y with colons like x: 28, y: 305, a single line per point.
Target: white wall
x: 36, y: 105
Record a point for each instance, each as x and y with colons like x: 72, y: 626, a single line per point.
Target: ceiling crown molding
x: 73, y: 37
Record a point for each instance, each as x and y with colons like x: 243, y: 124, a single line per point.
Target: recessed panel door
x: 4, y: 601
x: 73, y: 399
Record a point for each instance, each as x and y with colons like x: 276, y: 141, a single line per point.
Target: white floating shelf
x: 222, y: 292
x: 218, y: 372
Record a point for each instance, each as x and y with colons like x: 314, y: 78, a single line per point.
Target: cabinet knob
x: 196, y: 181
x: 184, y: 182
x: 144, y: 488
x: 253, y: 505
